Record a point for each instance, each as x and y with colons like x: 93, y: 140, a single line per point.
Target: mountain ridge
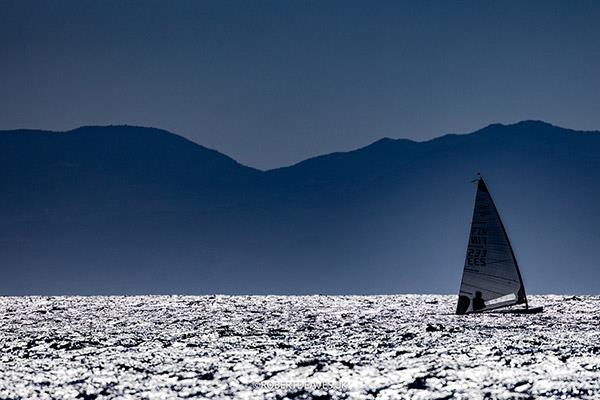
x: 525, y: 124
x: 127, y: 214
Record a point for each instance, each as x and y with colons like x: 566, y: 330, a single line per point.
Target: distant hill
x: 129, y: 210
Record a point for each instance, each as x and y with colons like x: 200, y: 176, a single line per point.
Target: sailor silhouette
x: 478, y: 303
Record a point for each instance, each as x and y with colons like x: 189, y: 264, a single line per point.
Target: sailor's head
x: 477, y: 294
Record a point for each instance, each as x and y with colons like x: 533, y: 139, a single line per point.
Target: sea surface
x: 296, y: 347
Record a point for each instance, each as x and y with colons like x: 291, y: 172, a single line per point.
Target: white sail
x: 491, y: 277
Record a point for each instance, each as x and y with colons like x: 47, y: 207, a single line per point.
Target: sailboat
x: 491, y: 276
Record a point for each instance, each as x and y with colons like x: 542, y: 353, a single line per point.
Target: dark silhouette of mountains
x: 129, y: 210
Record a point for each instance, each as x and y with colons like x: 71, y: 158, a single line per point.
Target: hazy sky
x: 271, y: 83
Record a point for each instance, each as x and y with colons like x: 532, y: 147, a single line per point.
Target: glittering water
x: 296, y: 347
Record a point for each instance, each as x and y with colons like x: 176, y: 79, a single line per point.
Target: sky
x: 270, y: 83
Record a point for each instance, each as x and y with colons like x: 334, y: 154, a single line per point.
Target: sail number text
x: 476, y: 257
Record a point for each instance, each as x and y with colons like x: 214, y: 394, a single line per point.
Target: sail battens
x: 472, y: 292
x: 491, y: 276
x: 496, y: 279
x: 497, y: 262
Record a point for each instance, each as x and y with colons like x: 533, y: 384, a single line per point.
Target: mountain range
x: 131, y: 210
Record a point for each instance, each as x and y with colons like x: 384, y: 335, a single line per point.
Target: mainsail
x: 491, y: 277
